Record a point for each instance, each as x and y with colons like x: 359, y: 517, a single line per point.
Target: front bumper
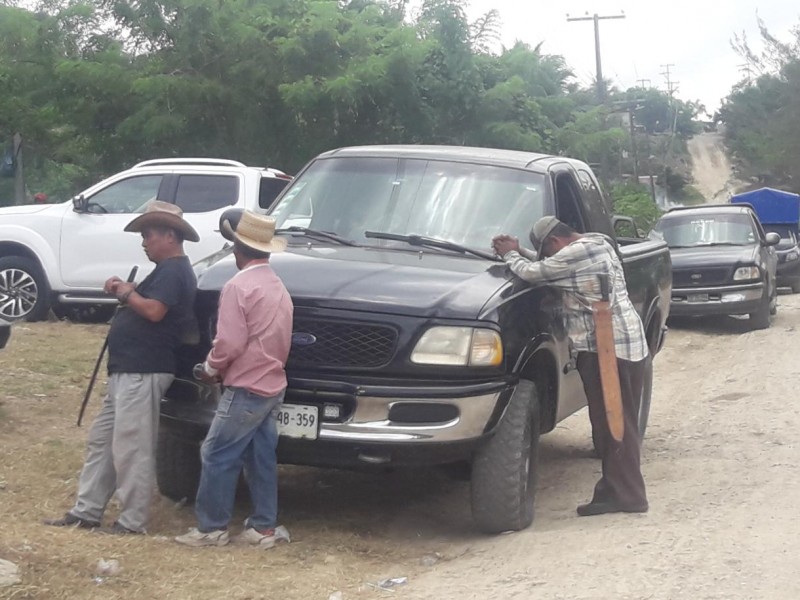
x: 720, y: 300
x: 364, y: 424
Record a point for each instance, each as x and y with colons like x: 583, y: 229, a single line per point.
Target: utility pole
x: 601, y: 84
x: 631, y: 107
x: 672, y: 86
x: 644, y: 83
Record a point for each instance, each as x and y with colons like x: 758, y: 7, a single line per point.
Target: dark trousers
x: 622, y: 480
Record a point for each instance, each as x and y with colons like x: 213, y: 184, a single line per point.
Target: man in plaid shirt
x: 573, y: 263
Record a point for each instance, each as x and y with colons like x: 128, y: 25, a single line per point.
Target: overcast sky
x: 693, y: 36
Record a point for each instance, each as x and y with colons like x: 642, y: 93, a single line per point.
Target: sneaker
x: 198, y: 539
x: 70, y: 520
x: 263, y: 538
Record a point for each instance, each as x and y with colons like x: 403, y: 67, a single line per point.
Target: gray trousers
x: 121, y: 447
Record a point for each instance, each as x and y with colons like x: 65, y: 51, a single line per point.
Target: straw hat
x: 164, y: 214
x: 256, y: 232
x: 540, y: 230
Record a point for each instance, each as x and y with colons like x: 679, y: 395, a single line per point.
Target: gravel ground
x: 720, y: 461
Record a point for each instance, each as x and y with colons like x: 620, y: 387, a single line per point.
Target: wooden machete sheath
x: 607, y: 359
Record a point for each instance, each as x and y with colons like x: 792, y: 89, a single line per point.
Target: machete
x: 607, y: 359
x: 89, y: 389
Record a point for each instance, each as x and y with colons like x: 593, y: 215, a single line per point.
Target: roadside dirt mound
x: 711, y: 168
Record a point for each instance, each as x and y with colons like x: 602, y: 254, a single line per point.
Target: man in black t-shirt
x: 141, y: 365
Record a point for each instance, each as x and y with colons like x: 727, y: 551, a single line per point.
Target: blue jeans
x: 243, y: 433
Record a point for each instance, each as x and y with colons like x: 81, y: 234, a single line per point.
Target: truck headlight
x: 459, y: 346
x: 791, y: 256
x: 744, y: 273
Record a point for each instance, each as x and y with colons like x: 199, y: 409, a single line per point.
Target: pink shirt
x: 254, y: 331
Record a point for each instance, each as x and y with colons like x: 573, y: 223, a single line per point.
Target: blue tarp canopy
x: 772, y: 206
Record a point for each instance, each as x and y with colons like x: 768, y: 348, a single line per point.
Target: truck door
x: 568, y: 204
x: 93, y: 245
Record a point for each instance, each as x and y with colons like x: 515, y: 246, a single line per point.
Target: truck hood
x: 25, y: 209
x: 713, y: 256
x: 425, y: 284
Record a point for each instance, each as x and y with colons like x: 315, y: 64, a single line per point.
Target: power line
x: 601, y: 84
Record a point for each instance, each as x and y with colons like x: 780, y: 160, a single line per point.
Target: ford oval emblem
x: 303, y: 339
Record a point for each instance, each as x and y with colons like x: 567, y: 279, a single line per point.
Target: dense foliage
x: 762, y: 113
x: 95, y: 86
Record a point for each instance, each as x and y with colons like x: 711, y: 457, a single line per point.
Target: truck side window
x: 204, y: 193
x: 269, y: 189
x: 568, y: 203
x: 126, y: 196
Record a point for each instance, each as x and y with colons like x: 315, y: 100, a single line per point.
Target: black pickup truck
x: 723, y: 262
x: 412, y: 343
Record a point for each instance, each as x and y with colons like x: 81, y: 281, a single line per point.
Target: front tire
x: 177, y: 467
x: 23, y: 289
x: 763, y: 315
x: 504, y: 468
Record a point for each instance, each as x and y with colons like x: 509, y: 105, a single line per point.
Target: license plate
x: 298, y: 421
x: 698, y: 298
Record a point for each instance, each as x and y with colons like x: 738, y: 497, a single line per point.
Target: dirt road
x: 711, y: 168
x: 720, y: 462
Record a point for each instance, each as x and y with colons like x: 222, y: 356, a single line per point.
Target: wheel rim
x: 18, y: 293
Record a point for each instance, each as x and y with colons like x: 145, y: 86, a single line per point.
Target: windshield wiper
x: 325, y: 235
x: 421, y: 240
x: 707, y: 244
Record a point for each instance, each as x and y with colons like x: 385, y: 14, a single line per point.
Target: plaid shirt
x: 575, y: 270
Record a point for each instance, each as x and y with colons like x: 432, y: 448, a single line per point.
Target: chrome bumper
x: 720, y: 294
x: 370, y: 421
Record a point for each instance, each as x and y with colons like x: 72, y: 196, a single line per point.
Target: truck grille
x: 341, y: 344
x: 683, y: 278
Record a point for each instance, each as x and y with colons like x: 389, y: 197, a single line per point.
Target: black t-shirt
x: 136, y: 345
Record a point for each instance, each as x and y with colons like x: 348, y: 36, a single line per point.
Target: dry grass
x: 348, y: 528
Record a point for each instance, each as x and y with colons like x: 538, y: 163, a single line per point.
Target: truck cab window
x: 567, y: 203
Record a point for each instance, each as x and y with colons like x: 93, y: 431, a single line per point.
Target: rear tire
x: 23, y: 289
x: 504, y: 468
x: 177, y: 467
x: 647, y: 394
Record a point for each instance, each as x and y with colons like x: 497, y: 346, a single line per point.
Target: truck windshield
x: 466, y: 204
x: 686, y: 231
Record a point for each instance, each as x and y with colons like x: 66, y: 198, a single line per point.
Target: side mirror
x: 228, y: 222
x: 772, y: 239
x: 80, y: 204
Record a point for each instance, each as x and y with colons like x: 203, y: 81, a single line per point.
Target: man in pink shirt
x: 249, y: 353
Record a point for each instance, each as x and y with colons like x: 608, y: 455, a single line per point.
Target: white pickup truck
x: 58, y: 255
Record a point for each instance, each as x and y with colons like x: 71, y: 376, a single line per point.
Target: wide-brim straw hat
x: 163, y: 214
x: 256, y: 232
x: 540, y: 231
